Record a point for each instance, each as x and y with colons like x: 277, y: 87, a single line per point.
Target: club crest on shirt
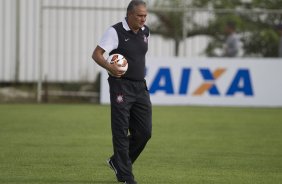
x: 145, y: 39
x: 119, y: 98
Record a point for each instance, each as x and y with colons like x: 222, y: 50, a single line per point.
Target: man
x: 232, y: 41
x: 131, y: 113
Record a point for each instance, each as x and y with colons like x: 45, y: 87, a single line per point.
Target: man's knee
x: 144, y: 136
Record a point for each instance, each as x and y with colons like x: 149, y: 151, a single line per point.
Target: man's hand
x: 115, y: 70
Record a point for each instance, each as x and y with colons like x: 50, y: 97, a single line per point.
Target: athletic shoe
x: 112, y: 166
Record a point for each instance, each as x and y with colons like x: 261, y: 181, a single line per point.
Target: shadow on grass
x: 50, y: 181
x: 104, y: 182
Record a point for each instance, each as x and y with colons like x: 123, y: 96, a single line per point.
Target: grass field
x: 68, y: 144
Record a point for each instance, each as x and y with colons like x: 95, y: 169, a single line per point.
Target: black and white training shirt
x: 133, y: 46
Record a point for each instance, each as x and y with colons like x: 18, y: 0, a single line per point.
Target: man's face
x: 228, y: 30
x: 137, y: 18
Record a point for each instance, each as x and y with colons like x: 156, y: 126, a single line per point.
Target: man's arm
x: 98, y: 57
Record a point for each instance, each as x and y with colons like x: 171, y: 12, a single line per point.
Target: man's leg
x: 120, y: 113
x: 140, y: 126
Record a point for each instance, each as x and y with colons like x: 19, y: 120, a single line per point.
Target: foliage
x: 256, y: 27
x: 262, y: 43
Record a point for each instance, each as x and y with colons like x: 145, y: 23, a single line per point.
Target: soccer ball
x: 119, y: 60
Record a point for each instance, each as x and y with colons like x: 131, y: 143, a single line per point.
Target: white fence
x: 61, y: 35
x: 67, y: 37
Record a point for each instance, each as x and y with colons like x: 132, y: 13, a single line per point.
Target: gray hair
x: 133, y: 4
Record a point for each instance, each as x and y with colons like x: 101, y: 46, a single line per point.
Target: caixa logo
x: 240, y: 82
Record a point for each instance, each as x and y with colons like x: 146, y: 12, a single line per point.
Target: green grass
x: 68, y: 144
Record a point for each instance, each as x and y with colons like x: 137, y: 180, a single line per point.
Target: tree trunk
x: 176, y: 47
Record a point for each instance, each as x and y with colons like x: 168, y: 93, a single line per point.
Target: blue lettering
x: 245, y: 86
x: 208, y: 76
x: 165, y: 75
x: 184, y: 83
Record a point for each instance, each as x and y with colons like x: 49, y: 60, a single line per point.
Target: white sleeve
x: 109, y: 40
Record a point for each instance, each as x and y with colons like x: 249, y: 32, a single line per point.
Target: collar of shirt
x: 126, y: 27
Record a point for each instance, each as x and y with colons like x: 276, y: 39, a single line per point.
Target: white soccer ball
x: 119, y: 60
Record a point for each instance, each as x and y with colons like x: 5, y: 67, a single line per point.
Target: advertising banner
x: 211, y: 81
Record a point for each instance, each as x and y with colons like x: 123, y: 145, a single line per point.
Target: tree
x: 170, y: 23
